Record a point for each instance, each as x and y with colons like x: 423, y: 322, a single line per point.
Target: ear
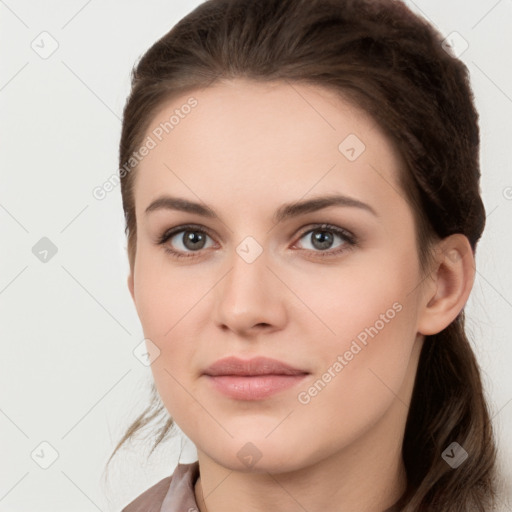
x: 130, y: 286
x: 450, y: 282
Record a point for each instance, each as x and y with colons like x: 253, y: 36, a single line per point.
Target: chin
x: 248, y: 454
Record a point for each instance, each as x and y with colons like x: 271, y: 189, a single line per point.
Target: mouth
x: 253, y: 379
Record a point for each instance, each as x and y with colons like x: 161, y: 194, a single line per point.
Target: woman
x: 300, y: 181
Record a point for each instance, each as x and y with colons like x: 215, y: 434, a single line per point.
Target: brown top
x: 175, y: 493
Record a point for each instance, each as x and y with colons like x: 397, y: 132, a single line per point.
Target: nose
x: 250, y: 299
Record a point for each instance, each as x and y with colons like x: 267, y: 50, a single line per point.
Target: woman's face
x: 339, y: 303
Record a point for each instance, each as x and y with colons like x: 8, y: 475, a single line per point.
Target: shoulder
x: 151, y: 499
x: 175, y: 492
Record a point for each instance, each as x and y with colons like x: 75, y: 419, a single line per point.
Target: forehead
x: 266, y: 140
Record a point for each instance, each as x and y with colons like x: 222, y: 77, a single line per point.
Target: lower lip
x: 255, y: 387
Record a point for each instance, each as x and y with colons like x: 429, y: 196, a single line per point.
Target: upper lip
x: 255, y: 366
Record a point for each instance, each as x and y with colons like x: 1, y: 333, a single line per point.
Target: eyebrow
x: 285, y: 212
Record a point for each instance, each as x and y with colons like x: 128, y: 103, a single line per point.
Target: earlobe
x: 453, y: 278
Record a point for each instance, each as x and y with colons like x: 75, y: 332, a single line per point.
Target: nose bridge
x: 248, y: 270
x: 247, y: 297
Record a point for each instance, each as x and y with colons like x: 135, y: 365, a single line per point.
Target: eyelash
x: 350, y: 240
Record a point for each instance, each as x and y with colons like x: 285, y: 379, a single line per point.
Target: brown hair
x: 391, y: 63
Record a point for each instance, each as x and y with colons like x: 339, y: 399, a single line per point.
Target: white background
x: 68, y: 327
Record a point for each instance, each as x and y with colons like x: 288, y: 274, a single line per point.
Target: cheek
x: 367, y: 329
x: 168, y: 304
x: 351, y: 298
x: 165, y: 304
x: 360, y: 375
x: 165, y: 297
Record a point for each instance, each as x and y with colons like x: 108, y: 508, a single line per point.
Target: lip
x: 253, y: 379
x: 251, y: 367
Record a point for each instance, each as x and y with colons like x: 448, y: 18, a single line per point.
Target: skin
x: 244, y: 150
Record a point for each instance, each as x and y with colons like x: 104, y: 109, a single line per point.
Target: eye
x: 322, y: 238
x: 185, y: 239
